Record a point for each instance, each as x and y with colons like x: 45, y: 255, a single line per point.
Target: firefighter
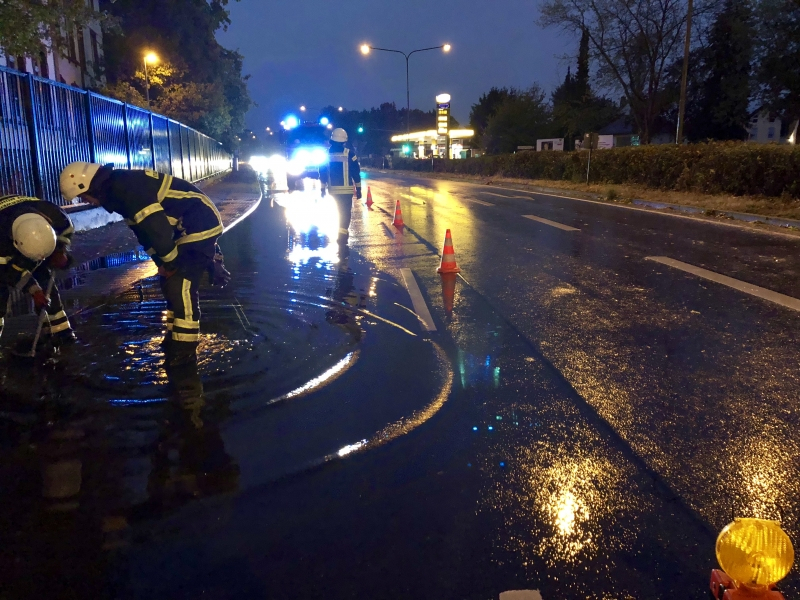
x: 35, y: 237
x: 177, y: 225
x: 338, y: 177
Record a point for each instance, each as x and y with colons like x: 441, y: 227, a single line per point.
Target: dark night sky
x: 307, y: 52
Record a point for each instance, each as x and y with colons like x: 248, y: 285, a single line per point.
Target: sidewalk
x: 109, y: 259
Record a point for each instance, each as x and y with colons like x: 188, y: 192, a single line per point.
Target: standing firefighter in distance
x: 339, y: 176
x: 34, y: 239
x: 178, y: 226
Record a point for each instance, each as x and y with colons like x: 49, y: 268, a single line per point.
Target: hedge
x: 713, y: 168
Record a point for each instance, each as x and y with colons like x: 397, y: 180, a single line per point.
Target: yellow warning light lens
x: 755, y: 552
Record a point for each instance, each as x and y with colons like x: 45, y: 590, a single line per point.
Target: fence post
x: 152, y: 141
x: 33, y: 137
x: 90, y: 126
x: 125, y: 131
x: 169, y: 146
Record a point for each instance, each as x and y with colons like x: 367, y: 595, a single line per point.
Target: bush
x: 732, y: 168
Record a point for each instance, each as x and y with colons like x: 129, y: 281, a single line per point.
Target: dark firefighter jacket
x: 163, y: 211
x: 16, y: 266
x: 342, y: 170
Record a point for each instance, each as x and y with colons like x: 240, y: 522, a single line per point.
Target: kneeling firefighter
x: 35, y: 236
x: 178, y: 226
x: 338, y: 177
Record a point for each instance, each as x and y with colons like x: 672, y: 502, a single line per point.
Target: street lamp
x: 303, y: 108
x: 341, y: 108
x: 151, y: 58
x: 366, y: 48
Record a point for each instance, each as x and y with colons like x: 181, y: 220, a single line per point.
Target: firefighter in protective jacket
x: 177, y: 225
x: 34, y: 239
x: 339, y: 176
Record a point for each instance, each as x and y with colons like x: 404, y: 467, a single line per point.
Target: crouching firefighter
x: 34, y: 239
x: 338, y: 177
x: 178, y: 226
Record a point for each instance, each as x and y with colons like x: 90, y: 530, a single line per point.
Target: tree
x: 204, y: 87
x: 778, y: 61
x: 576, y: 110
x: 633, y: 43
x: 26, y: 26
x: 522, y: 118
x: 484, y: 110
x: 725, y: 67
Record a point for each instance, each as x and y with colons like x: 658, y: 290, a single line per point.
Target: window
x: 44, y: 69
x: 95, y: 50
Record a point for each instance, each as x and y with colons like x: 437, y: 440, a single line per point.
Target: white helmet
x: 76, y: 178
x: 33, y: 236
x: 339, y: 135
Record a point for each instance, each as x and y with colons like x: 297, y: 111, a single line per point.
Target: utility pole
x: 685, y: 76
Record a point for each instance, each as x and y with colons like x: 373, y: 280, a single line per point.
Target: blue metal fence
x: 45, y: 125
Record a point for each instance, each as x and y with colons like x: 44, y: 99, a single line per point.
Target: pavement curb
x: 683, y: 208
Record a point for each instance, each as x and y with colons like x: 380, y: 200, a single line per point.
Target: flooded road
x: 567, y: 424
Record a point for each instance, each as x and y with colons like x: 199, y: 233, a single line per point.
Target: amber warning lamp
x: 754, y: 554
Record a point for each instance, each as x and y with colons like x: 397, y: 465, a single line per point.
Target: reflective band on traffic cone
x: 398, y: 217
x: 369, y: 196
x: 448, y: 256
x: 449, y: 291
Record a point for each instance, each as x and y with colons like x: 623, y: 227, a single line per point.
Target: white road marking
x: 742, y: 286
x: 481, y: 202
x: 417, y: 300
x: 551, y: 223
x: 504, y: 196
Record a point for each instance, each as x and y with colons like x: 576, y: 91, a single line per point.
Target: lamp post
x: 366, y: 48
x: 151, y: 58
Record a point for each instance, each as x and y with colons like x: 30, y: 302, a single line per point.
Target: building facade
x: 80, y: 64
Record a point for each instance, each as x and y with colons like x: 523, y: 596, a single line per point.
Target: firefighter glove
x: 217, y: 273
x: 40, y: 301
x: 167, y: 270
x: 60, y: 259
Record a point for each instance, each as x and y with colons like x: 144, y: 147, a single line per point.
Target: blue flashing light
x: 503, y: 465
x: 290, y: 122
x: 475, y: 428
x: 324, y: 121
x: 491, y: 428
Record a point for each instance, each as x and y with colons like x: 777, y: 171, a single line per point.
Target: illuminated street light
x: 341, y: 109
x: 152, y: 58
x: 268, y: 129
x: 366, y: 48
x: 303, y: 108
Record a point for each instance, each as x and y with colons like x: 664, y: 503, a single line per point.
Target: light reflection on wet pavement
x: 335, y: 449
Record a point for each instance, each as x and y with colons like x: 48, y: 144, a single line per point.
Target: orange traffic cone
x: 448, y: 256
x: 398, y: 217
x: 369, y: 196
x: 449, y: 291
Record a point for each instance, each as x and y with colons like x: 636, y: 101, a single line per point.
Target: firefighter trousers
x: 181, y: 291
x: 344, y: 202
x: 56, y: 321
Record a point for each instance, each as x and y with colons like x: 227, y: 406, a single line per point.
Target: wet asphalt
x: 583, y: 421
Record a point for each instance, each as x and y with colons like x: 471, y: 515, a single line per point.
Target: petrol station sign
x: 443, y: 124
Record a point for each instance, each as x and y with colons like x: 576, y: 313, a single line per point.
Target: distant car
x: 306, y: 151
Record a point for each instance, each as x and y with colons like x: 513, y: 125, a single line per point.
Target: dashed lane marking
x: 742, y: 286
x: 481, y: 202
x: 504, y: 196
x: 551, y: 223
x: 423, y: 314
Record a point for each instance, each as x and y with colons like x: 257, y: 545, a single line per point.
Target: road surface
x: 597, y: 405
